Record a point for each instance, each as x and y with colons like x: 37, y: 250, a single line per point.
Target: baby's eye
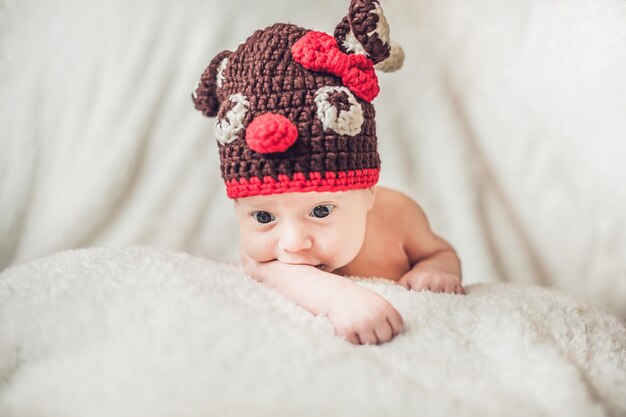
x: 263, y: 217
x: 322, y: 210
x: 338, y: 110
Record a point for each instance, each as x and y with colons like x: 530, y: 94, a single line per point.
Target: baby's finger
x: 394, y: 330
x: 384, y: 332
x: 459, y: 289
x: 451, y: 288
x: 404, y: 282
x: 353, y: 338
x: 368, y: 337
x: 396, y: 322
x: 440, y: 284
x: 419, y: 285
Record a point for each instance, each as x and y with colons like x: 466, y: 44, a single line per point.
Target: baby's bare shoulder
x: 398, y: 213
x: 392, y: 202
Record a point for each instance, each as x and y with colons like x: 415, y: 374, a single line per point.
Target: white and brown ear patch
x: 346, y: 40
x: 365, y: 31
x: 338, y: 110
x: 206, y: 97
x: 230, y: 118
x: 382, y: 27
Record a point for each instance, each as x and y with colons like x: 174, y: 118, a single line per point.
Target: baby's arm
x: 435, y: 264
x: 358, y: 314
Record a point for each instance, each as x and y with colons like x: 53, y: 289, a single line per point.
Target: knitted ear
x: 207, y: 97
x: 394, y: 61
x: 365, y: 31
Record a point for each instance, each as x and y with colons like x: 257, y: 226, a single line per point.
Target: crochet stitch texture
x: 294, y: 109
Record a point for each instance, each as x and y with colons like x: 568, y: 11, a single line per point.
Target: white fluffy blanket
x: 141, y: 332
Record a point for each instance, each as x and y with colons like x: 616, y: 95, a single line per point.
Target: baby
x: 297, y: 142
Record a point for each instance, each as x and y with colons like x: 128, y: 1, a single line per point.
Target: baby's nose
x: 294, y: 240
x: 270, y: 133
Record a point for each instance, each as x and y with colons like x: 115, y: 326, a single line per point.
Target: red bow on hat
x: 318, y: 51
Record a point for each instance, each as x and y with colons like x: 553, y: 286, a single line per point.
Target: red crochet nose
x: 269, y: 133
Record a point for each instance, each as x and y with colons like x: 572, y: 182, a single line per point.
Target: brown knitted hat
x: 294, y: 106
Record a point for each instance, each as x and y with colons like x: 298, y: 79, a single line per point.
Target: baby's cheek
x: 257, y: 248
x: 344, y: 247
x: 350, y: 250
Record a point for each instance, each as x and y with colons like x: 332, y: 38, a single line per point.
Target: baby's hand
x: 364, y: 317
x: 433, y: 280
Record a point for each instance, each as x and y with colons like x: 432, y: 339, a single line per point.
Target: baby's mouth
x: 321, y: 267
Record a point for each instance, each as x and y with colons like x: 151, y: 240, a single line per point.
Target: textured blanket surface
x: 141, y: 332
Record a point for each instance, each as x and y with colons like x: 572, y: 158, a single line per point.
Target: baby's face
x: 325, y: 230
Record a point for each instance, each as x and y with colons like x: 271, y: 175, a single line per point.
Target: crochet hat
x: 294, y: 108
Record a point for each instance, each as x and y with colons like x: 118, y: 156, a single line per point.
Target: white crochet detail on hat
x: 351, y: 44
x: 344, y: 122
x: 220, y: 72
x: 226, y: 129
